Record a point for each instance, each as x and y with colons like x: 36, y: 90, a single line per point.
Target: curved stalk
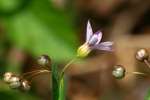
x: 31, y: 72
x: 66, y: 67
x: 38, y: 73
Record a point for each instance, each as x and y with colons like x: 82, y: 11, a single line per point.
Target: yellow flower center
x: 83, y: 50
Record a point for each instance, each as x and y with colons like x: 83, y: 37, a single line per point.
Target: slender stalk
x: 31, y: 72
x: 147, y: 63
x: 61, y: 90
x: 38, y: 73
x: 139, y: 73
x: 66, y: 67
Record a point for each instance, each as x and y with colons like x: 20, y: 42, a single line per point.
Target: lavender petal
x: 106, y: 46
x: 99, y: 36
x: 96, y: 38
x: 93, y: 40
x: 108, y: 43
x: 89, y: 31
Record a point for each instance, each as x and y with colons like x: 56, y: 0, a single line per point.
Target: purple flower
x: 93, y: 41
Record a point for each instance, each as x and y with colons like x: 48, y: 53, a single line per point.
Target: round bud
x: 14, y: 82
x: 14, y: 79
x: 7, y: 76
x: 25, y: 85
x: 15, y: 85
x: 142, y: 54
x: 44, y: 60
x: 118, y: 72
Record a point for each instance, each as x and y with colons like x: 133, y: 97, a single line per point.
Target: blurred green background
x: 34, y: 27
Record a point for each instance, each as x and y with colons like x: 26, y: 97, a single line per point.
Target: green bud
x: 119, y: 72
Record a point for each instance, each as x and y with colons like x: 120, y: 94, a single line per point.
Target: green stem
x: 55, y: 82
x: 66, y: 67
x: 61, y: 86
x: 62, y: 89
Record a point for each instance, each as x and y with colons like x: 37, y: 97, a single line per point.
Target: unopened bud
x: 14, y: 82
x: 14, y: 85
x: 25, y: 85
x: 119, y: 72
x: 14, y: 79
x: 44, y: 60
x: 7, y: 76
x: 142, y: 55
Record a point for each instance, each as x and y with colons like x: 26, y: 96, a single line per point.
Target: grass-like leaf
x: 62, y: 89
x: 55, y: 84
x: 58, y: 85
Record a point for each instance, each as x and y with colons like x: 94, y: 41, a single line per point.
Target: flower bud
x: 118, y: 72
x: 44, y: 60
x: 14, y: 79
x: 142, y: 54
x: 83, y: 50
x: 7, y: 76
x: 14, y: 82
x: 25, y: 85
x: 14, y: 85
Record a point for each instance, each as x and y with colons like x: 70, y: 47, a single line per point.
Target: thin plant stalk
x: 66, y: 67
x: 61, y: 89
x: 38, y: 73
x: 147, y: 63
x: 31, y: 72
x: 137, y: 73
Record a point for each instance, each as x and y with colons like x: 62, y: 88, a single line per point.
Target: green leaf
x: 55, y: 82
x: 62, y: 91
x: 58, y: 85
